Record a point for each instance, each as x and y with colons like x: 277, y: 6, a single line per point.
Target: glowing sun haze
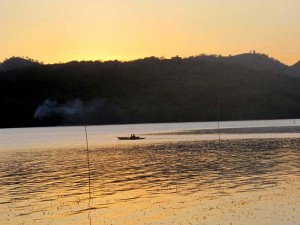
x: 65, y: 30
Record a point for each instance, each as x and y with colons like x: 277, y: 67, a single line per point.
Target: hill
x: 295, y: 70
x: 255, y: 61
x: 144, y: 91
x: 16, y: 63
x: 258, y: 62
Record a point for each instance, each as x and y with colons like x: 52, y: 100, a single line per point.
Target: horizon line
x: 145, y: 57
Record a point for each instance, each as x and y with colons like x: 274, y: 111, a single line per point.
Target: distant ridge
x: 16, y: 63
x: 258, y: 61
x: 252, y: 60
x: 255, y: 61
x: 149, y: 90
x: 295, y: 69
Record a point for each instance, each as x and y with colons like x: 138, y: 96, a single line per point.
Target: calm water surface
x: 180, y: 174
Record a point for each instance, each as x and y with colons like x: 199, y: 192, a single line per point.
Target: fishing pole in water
x: 88, y: 161
x: 87, y: 147
x: 84, y: 121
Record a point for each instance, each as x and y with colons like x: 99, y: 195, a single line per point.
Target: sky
x: 55, y: 31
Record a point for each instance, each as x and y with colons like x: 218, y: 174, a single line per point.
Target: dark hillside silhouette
x: 143, y: 91
x: 255, y: 61
x: 259, y: 62
x: 295, y: 70
x: 16, y: 63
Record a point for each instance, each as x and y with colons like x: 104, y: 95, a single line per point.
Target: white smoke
x: 51, y: 108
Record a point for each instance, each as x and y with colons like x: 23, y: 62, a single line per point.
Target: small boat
x: 131, y: 138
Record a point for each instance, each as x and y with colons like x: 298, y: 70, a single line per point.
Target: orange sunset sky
x: 64, y: 30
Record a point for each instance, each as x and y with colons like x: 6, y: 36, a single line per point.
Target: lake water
x: 180, y: 174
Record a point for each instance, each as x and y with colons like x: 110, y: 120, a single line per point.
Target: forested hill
x: 16, y: 63
x: 144, y: 91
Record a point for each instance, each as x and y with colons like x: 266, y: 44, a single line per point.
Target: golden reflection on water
x: 253, y: 181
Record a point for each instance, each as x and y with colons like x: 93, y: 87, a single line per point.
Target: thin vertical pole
x: 88, y: 158
x: 219, y: 117
x: 219, y: 146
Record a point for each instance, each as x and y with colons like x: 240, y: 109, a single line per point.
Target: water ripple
x: 46, y: 183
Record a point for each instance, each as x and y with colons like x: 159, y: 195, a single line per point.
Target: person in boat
x: 132, y: 136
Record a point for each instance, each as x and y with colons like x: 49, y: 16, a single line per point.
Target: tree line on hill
x: 145, y: 91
